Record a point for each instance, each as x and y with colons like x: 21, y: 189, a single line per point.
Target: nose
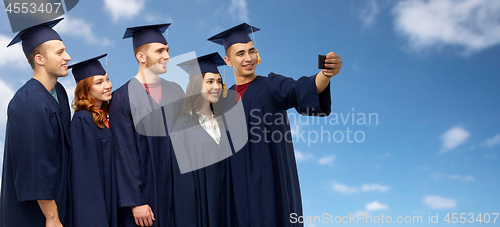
x: 67, y: 57
x: 248, y: 57
x: 166, y: 55
x: 109, y: 85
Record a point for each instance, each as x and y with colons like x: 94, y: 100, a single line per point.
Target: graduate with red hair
x: 93, y: 168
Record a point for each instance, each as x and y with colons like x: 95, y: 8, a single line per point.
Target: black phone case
x: 321, y: 62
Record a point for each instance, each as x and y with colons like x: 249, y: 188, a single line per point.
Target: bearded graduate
x: 93, y: 168
x: 201, y: 147
x: 142, y: 113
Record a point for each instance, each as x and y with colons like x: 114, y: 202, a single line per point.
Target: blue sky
x: 425, y: 68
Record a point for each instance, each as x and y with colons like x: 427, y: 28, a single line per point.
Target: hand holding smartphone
x: 321, y: 62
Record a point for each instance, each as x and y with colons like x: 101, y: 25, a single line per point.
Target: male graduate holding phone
x: 265, y: 186
x: 35, y: 174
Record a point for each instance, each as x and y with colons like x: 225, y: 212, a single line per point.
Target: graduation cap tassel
x: 255, y: 44
x: 224, y: 87
x: 168, y: 60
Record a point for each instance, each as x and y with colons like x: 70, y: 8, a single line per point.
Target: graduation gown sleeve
x: 36, y: 156
x: 127, y: 157
x: 34, y: 161
x: 89, y: 206
x: 300, y: 94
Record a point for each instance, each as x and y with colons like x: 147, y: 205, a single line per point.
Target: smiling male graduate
x: 35, y: 175
x: 142, y: 113
x: 265, y: 183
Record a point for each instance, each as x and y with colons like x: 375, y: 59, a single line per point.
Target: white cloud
x: 6, y: 94
x: 374, y: 187
x: 239, y: 10
x: 327, y: 160
x: 490, y: 156
x: 369, y: 13
x: 157, y: 19
x: 436, y: 202
x: 376, y: 206
x: 125, y: 9
x: 12, y: 56
x: 453, y: 137
x: 386, y: 155
x: 342, y: 188
x: 84, y: 30
x: 467, y: 178
x: 470, y: 24
x: 439, y: 176
x: 346, y: 189
x: 302, y: 157
x: 493, y: 141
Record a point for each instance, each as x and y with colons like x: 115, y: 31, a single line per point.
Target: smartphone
x: 321, y: 62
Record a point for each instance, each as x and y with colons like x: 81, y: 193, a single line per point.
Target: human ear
x: 39, y: 60
x: 226, y: 59
x: 140, y: 57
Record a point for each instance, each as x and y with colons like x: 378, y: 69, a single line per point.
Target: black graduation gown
x: 199, y: 195
x: 36, y: 158
x: 265, y: 183
x: 93, y: 173
x: 144, y: 161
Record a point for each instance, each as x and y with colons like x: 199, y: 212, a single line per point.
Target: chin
x: 247, y: 74
x: 161, y: 70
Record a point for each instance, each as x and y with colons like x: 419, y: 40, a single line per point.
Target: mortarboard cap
x: 87, y: 68
x: 203, y: 64
x: 237, y: 34
x: 33, y: 36
x: 147, y: 34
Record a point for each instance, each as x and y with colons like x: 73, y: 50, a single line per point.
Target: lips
x: 248, y: 66
x: 215, y: 94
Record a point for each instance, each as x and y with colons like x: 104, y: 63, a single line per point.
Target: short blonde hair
x: 31, y: 57
x: 143, y: 48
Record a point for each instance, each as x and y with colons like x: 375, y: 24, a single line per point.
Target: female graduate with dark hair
x: 201, y: 147
x: 93, y: 170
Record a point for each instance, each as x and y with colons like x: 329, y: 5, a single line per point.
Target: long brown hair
x: 84, y: 101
